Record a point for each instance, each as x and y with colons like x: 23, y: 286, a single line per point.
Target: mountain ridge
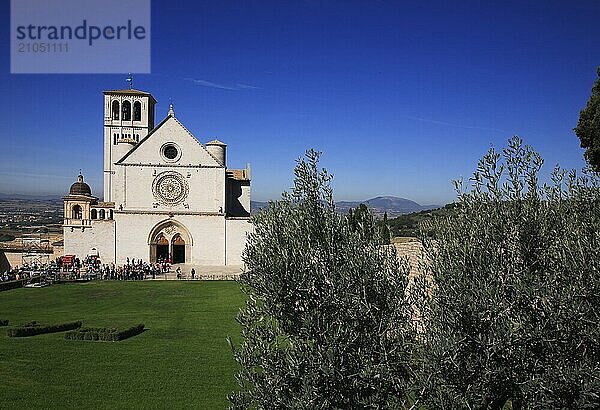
x: 392, y: 205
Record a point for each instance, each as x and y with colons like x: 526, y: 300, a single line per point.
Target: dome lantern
x: 80, y: 187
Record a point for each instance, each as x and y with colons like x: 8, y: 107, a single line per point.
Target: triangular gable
x: 148, y: 150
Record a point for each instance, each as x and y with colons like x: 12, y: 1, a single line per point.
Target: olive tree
x: 327, y: 323
x: 588, y: 127
x: 511, y: 294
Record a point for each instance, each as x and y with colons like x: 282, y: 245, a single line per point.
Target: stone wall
x: 237, y: 232
x: 412, y: 251
x: 101, y: 236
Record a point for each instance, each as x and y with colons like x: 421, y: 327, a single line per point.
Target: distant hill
x: 256, y: 206
x: 394, y: 206
x: 28, y: 197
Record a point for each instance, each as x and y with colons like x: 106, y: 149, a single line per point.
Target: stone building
x: 166, y: 195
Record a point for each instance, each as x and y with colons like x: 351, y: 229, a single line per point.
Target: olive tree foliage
x: 385, y: 230
x: 511, y: 295
x: 361, y: 217
x: 326, y: 323
x: 588, y: 127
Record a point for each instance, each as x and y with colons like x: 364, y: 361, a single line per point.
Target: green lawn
x: 181, y: 360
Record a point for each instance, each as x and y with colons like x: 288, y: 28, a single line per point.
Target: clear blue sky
x: 401, y: 97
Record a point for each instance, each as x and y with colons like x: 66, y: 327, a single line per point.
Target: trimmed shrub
x: 132, y: 331
x: 3, y: 322
x: 13, y: 284
x: 104, y: 334
x: 35, y: 328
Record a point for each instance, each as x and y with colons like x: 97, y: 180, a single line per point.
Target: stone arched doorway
x: 170, y: 240
x: 178, y: 246
x: 162, y: 248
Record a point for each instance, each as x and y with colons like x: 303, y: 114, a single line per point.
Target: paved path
x: 203, y: 272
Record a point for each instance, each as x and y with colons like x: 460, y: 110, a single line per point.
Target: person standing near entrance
x: 193, y: 272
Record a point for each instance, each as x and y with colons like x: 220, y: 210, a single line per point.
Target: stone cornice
x: 157, y: 212
x: 170, y: 165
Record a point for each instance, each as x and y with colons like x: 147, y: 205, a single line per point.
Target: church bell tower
x: 128, y: 118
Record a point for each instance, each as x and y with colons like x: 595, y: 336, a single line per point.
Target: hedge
x: 105, y: 334
x: 36, y: 329
x: 3, y: 322
x: 13, y: 284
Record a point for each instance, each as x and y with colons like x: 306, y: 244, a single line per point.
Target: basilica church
x: 166, y: 195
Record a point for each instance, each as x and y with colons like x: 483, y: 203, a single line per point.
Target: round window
x: 170, y: 152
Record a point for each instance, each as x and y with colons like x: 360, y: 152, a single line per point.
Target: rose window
x: 170, y: 188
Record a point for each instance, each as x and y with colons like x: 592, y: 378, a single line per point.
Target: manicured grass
x: 182, y: 359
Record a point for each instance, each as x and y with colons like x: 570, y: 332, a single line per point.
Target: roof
x: 80, y: 187
x: 102, y: 204
x: 129, y: 92
x: 216, y: 142
x: 160, y: 124
x: 237, y: 174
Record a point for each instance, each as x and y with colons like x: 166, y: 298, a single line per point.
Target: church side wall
x: 238, y: 197
x: 99, y: 236
x: 237, y: 232
x: 245, y: 200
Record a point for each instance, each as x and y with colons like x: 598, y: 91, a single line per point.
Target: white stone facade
x: 166, y: 195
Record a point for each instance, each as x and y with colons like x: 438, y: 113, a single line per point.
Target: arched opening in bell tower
x: 126, y: 111
x: 137, y: 111
x: 115, y: 110
x: 77, y: 212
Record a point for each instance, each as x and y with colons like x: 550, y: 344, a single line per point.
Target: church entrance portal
x: 170, y: 241
x: 178, y: 249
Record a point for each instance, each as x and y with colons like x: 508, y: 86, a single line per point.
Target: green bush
x: 104, y: 334
x: 13, y: 284
x: 3, y: 322
x: 511, y: 295
x: 132, y: 331
x: 35, y: 328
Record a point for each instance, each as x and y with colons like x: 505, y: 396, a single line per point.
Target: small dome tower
x: 80, y: 187
x: 218, y: 150
x: 77, y: 205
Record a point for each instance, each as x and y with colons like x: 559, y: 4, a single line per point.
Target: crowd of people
x: 17, y: 274
x: 133, y: 269
x: 27, y: 271
x: 92, y: 268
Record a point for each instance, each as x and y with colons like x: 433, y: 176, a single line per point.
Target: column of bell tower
x: 128, y: 118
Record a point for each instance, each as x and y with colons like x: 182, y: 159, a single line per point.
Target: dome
x: 80, y: 187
